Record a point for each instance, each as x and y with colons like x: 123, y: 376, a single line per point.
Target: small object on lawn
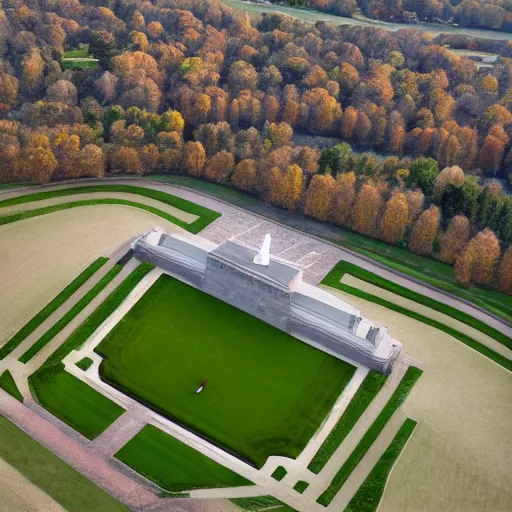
x: 202, y: 386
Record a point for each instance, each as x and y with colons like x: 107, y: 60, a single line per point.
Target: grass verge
x: 174, y: 465
x: 51, y: 307
x: 176, y: 336
x: 368, y: 496
x: 73, y: 401
x: 279, y: 473
x: 330, y: 280
x: 367, y: 391
x: 7, y: 384
x: 53, y: 476
x: 300, y: 486
x: 85, y: 363
x: 68, y: 316
x: 102, y: 312
x: 396, y: 400
x: 344, y: 267
x: 206, y: 216
x: 257, y: 503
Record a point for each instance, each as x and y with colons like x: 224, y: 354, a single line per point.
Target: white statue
x: 263, y: 256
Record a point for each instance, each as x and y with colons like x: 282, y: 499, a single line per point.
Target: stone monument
x: 263, y: 256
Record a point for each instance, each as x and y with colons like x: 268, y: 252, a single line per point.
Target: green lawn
x: 52, y: 306
x: 397, y: 399
x: 206, y: 216
x: 267, y: 392
x: 7, y: 384
x: 70, y: 315
x: 85, y: 363
x: 368, y: 496
x: 174, y: 465
x: 333, y: 279
x: 367, y: 391
x: 65, y: 485
x: 73, y: 401
x: 77, y: 53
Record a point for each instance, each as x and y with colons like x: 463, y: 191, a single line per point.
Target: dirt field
x: 426, y: 311
x: 179, y: 214
x: 41, y: 255
x: 459, y: 457
x: 21, y: 495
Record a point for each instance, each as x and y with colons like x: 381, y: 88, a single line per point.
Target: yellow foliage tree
x: 395, y: 219
x: 319, y: 196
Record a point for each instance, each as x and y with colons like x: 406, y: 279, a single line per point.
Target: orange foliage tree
x: 424, y: 231
x: 367, y: 209
x: 505, y: 272
x: 477, y: 263
x: 344, y: 199
x: 395, y: 219
x: 453, y: 241
x: 319, y: 196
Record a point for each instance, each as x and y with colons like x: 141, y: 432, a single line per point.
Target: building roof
x: 241, y: 256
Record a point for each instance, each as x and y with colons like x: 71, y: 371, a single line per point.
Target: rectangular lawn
x: 173, y: 465
x: 267, y: 392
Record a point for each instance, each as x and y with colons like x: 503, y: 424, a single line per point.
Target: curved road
x: 314, y: 16
x: 315, y: 255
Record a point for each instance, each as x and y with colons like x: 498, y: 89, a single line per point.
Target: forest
x: 485, y: 14
x: 192, y: 87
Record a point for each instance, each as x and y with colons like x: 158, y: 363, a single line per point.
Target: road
x: 314, y: 16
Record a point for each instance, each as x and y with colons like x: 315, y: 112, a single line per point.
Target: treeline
x: 192, y: 87
x: 486, y: 14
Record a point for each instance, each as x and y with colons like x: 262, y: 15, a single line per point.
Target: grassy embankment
x: 333, y: 280
x: 267, y: 393
x: 206, y: 216
x: 7, y: 384
x: 69, y: 61
x: 368, y: 496
x: 51, y: 307
x: 261, y: 503
x: 66, y: 486
x: 396, y: 400
x: 366, y: 392
x: 70, y: 315
x: 73, y: 401
x: 430, y: 271
x: 65, y: 396
x: 173, y: 465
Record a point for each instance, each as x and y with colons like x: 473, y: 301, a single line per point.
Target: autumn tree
x: 395, y: 219
x: 505, y: 272
x: 279, y: 134
x: 424, y: 232
x: 319, y: 197
x: 454, y: 239
x: 40, y: 164
x: 292, y: 187
x: 477, y: 263
x: 194, y: 158
x: 220, y: 166
x: 415, y: 199
x: 343, y: 201
x: 126, y: 160
x: 244, y: 175
x: 367, y: 210
x: 448, y: 176
x: 491, y: 154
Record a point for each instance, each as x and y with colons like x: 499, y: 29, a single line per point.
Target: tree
x: 220, y: 166
x: 319, y: 197
x: 344, y: 199
x: 367, y: 210
x: 415, y: 200
x: 424, y: 232
x: 279, y: 134
x: 194, y: 158
x: 40, y: 164
x: 448, y: 176
x: 453, y: 241
x: 8, y: 91
x: 244, y: 175
x: 491, y: 154
x: 423, y: 173
x: 395, y: 219
x: 505, y: 272
x: 127, y: 160
x: 348, y: 123
x: 292, y: 187
x: 242, y: 75
x: 477, y: 263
